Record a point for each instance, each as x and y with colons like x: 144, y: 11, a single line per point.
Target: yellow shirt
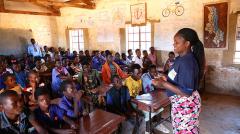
x: 134, y: 86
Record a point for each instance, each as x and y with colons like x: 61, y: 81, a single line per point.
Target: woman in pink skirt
x: 183, y: 80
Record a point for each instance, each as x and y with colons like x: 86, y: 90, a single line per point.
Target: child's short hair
x: 171, y: 53
x: 115, y: 76
x: 137, y: 50
x: 152, y: 66
x: 135, y: 66
x: 6, y: 75
x: 64, y: 84
x: 6, y: 94
x: 40, y: 91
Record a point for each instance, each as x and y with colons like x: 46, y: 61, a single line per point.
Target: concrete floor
x: 220, y: 115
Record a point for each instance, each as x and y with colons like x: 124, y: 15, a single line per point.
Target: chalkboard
x: 14, y: 41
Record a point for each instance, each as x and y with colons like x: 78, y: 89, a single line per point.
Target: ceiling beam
x: 50, y: 8
x: 88, y: 2
x: 30, y: 12
x: 60, y: 4
x: 2, y: 5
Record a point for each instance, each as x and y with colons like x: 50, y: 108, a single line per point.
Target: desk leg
x: 150, y: 120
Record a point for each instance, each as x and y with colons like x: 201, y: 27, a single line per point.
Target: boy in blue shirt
x: 19, y: 74
x: 71, y: 100
x: 59, y: 73
x: 147, y: 79
x: 50, y: 116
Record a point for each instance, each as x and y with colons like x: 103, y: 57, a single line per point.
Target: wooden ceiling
x: 53, y: 6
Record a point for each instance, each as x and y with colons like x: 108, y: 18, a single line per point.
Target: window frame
x: 80, y: 39
x: 236, y: 56
x: 140, y: 30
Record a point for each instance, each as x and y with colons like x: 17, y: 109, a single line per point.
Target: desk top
x: 100, y: 122
x: 154, y: 100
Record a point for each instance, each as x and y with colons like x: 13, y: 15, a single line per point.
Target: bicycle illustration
x: 176, y: 8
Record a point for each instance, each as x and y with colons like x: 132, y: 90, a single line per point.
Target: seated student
x: 50, y: 116
x: 130, y: 55
x: 125, y: 60
x: 169, y: 62
x: 59, y: 73
x: 118, y: 102
x: 71, y: 100
x: 40, y: 66
x: 110, y: 68
x: 67, y: 64
x: 146, y: 61
x: 138, y: 59
x: 2, y: 72
x: 97, y: 61
x: 87, y: 58
x: 19, y: 74
x: 118, y: 60
x: 134, y: 82
x: 89, y: 80
x: 48, y: 62
x: 76, y: 65
x: 33, y: 82
x: 30, y: 63
x: 147, y: 79
x: 11, y: 84
x: 13, y: 118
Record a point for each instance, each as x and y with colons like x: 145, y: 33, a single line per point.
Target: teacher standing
x: 182, y: 82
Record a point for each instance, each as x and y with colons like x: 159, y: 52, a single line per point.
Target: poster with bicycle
x: 215, y: 25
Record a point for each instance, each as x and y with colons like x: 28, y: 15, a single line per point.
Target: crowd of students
x: 30, y: 98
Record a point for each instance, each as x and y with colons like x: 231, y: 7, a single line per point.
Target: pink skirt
x: 185, y: 113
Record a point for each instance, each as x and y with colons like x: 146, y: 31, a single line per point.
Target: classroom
x: 119, y: 66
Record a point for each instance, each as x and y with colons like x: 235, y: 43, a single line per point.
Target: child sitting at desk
x: 59, y: 73
x: 11, y: 84
x: 50, y: 116
x: 118, y: 102
x: 169, y: 62
x: 134, y: 82
x: 19, y: 74
x: 71, y: 100
x: 148, y: 77
x: 89, y: 80
x: 33, y: 82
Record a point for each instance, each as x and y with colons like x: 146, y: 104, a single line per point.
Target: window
x: 236, y: 59
x: 76, y: 40
x: 138, y: 37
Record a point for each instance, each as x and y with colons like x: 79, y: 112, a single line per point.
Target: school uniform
x: 56, y: 81
x: 68, y: 106
x: 185, y: 110
x: 53, y: 120
x: 138, y: 61
x: 21, y: 78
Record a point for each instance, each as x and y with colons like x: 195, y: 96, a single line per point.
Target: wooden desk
x: 158, y: 100
x: 100, y: 122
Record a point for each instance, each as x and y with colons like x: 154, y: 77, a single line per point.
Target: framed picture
x: 215, y: 25
x: 138, y: 14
